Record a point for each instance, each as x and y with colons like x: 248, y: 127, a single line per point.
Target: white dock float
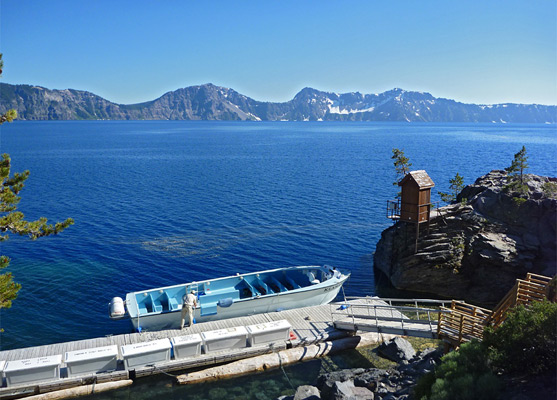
x: 268, y: 332
x: 33, y: 370
x: 229, y: 338
x: 99, y: 359
x: 146, y: 353
x: 186, y: 346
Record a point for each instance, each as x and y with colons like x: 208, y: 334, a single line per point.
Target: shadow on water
x: 258, y: 386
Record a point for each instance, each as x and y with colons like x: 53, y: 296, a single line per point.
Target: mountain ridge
x: 211, y: 102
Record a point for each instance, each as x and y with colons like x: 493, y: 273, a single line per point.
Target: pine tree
x: 402, y: 166
x: 13, y: 221
x: 456, y: 186
x: 516, y: 171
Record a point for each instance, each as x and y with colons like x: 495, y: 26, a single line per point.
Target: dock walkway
x: 309, y: 325
x: 406, y: 317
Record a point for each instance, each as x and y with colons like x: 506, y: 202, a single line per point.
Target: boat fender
x: 225, y: 302
x: 117, y: 309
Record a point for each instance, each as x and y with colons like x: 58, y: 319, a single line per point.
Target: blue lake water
x: 158, y: 203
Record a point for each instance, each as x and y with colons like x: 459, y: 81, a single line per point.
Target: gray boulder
x: 307, y: 392
x: 397, y: 349
x: 326, y: 382
x: 348, y: 391
x: 370, y: 378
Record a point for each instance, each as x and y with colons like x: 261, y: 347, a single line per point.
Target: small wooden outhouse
x: 415, y: 199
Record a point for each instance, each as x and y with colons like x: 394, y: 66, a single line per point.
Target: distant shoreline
x: 214, y: 103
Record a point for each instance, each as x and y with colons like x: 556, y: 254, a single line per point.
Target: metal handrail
x: 394, y: 207
x: 401, y: 300
x: 400, y: 308
x: 352, y: 312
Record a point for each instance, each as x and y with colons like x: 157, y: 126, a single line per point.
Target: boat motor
x: 117, y: 309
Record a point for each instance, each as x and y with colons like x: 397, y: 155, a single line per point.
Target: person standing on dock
x: 190, y: 302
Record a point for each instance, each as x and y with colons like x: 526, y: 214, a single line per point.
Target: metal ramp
x: 452, y: 321
x: 408, y: 317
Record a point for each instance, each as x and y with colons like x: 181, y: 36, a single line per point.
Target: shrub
x: 526, y: 341
x: 462, y: 375
x: 525, y: 344
x: 518, y: 201
x: 422, y: 390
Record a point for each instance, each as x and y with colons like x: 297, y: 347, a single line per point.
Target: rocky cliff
x: 210, y: 102
x: 478, y: 247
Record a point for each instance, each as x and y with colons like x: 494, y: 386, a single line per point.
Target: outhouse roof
x: 421, y: 178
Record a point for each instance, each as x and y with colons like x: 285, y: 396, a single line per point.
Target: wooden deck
x: 310, y: 324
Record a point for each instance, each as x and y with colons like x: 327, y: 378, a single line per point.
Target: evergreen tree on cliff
x: 517, y: 168
x: 402, y: 166
x: 456, y: 186
x: 12, y: 221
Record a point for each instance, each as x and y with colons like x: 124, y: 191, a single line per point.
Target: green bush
x: 524, y: 344
x: 462, y: 375
x: 422, y: 390
x: 526, y: 341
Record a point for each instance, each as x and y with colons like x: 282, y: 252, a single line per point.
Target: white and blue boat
x: 232, y: 296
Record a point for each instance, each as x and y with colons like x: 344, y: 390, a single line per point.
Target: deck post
x: 439, y: 324
x: 460, y: 329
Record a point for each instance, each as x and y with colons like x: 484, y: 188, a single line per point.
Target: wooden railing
x: 395, y: 208
x: 533, y: 288
x: 464, y: 322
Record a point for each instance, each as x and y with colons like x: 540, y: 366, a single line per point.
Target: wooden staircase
x: 463, y: 322
x: 533, y: 288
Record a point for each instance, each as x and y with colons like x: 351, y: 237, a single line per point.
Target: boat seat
x: 157, y: 306
x: 252, y: 290
x: 172, y: 303
x: 214, y: 297
x: 142, y: 309
x: 293, y: 283
x: 263, y: 287
x: 144, y: 304
x: 274, y: 282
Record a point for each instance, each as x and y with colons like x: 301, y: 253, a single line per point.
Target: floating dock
x: 308, y: 325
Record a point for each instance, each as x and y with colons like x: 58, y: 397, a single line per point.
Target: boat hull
x: 311, y: 295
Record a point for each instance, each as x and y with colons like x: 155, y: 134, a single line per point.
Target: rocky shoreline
x: 478, y: 247
x: 372, y: 383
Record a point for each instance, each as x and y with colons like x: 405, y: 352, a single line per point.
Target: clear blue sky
x: 485, y: 51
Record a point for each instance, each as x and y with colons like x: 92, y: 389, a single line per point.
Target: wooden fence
x: 464, y: 322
